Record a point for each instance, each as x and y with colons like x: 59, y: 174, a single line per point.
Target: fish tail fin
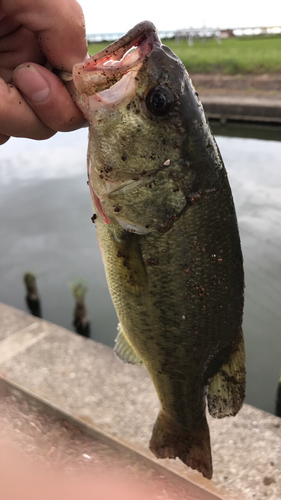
x: 226, y: 392
x: 191, y: 446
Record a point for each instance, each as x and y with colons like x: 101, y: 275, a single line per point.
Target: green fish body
x: 168, y: 234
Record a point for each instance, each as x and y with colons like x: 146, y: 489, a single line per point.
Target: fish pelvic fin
x: 226, y: 392
x: 191, y: 446
x: 124, y: 350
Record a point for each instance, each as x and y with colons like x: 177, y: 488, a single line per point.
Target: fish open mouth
x: 110, y: 65
x: 105, y: 79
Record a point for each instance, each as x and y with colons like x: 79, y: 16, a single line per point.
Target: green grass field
x: 234, y: 55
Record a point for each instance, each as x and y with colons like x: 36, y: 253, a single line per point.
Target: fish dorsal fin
x: 124, y: 350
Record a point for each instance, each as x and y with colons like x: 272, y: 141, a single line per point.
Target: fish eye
x: 159, y: 101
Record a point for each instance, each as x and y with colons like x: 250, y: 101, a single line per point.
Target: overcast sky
x: 113, y: 16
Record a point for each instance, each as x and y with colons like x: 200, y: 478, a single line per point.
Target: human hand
x: 34, y: 103
x: 23, y: 479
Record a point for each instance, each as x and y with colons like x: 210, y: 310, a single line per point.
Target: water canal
x: 46, y: 228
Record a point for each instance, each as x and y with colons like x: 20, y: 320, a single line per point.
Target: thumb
x: 47, y: 96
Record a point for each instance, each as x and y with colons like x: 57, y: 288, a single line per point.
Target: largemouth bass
x: 168, y: 234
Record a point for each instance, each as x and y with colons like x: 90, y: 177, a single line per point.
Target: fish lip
x: 134, y: 36
x: 95, y: 74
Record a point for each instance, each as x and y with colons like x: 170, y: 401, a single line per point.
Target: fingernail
x: 31, y: 83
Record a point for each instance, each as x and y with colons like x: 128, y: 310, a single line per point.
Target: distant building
x: 190, y: 33
x: 227, y: 33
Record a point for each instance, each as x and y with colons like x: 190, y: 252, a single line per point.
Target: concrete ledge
x: 86, y: 381
x: 239, y: 108
x: 191, y: 490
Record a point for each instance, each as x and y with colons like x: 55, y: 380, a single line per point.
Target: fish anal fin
x: 124, y: 350
x: 191, y: 446
x: 226, y: 392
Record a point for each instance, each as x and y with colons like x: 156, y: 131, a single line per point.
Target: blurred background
x: 45, y: 207
x: 121, y: 16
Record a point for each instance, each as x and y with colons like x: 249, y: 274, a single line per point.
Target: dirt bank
x: 267, y: 85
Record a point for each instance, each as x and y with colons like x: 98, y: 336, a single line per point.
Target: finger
x: 17, y: 118
x: 17, y: 48
x: 3, y: 139
x: 48, y: 97
x: 59, y: 26
x: 7, y: 24
x: 2, y: 14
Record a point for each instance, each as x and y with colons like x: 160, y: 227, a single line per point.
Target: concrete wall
x: 86, y: 381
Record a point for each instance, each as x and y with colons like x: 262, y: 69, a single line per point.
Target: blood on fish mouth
x: 108, y: 66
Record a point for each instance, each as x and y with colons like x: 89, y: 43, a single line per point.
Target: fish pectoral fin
x: 129, y: 263
x: 226, y: 392
x: 192, y: 446
x: 124, y: 350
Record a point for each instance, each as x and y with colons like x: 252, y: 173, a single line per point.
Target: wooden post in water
x: 32, y: 295
x: 80, y: 316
